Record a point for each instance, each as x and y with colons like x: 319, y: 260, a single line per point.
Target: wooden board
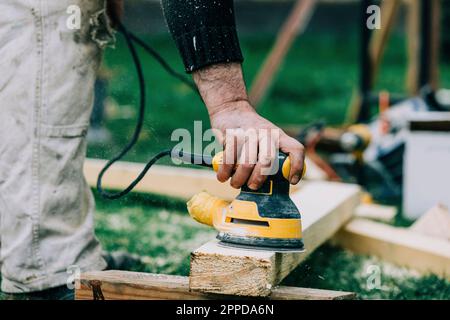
x: 376, y: 212
x: 325, y: 207
x: 178, y: 182
x: 434, y: 223
x: 396, y: 245
x: 124, y: 285
x: 313, y: 171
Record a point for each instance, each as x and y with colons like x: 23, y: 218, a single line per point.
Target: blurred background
x: 315, y: 83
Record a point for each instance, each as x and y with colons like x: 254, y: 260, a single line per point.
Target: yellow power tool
x: 265, y: 219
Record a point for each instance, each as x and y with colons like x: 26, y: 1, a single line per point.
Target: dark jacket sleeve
x: 204, y: 31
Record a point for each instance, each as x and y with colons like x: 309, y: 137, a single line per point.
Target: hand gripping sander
x: 265, y: 219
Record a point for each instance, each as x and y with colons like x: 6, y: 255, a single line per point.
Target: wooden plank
x: 389, y: 11
x: 178, y: 182
x: 295, y: 293
x: 413, y: 46
x: 376, y: 212
x: 434, y: 223
x: 396, y: 245
x: 313, y: 171
x: 325, y: 207
x: 296, y: 22
x: 124, y: 285
x: 171, y: 181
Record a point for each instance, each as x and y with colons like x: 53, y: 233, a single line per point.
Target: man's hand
x: 115, y: 11
x: 223, y: 90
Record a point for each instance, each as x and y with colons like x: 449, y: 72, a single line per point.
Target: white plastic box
x: 426, y: 178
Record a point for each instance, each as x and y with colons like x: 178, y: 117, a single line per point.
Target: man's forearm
x: 204, y: 31
x: 221, y: 86
x: 205, y: 34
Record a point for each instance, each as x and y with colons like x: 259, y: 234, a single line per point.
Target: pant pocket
x: 70, y: 60
x: 74, y: 131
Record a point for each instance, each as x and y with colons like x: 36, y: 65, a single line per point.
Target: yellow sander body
x: 264, y: 219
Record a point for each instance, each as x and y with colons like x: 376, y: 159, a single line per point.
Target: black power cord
x: 163, y: 62
x: 129, y: 38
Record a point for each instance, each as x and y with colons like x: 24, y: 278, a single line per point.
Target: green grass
x: 161, y: 230
x: 334, y: 268
x: 158, y: 229
x: 315, y: 82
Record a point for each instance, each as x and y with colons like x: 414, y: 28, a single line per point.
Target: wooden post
x: 416, y: 48
x: 435, y: 43
x: 297, y: 20
x: 413, y: 44
x: 389, y: 12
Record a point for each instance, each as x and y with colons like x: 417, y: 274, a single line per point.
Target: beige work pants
x: 47, y: 74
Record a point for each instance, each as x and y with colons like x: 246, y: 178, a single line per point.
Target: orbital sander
x: 265, y: 219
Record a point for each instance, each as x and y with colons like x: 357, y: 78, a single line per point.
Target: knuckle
x: 294, y: 144
x: 296, y: 164
x: 265, y: 160
x: 227, y: 167
x: 298, y: 147
x: 295, y: 168
x: 246, y: 166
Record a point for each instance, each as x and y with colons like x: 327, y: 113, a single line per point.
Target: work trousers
x: 50, y: 51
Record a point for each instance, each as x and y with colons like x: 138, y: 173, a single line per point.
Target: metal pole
x: 425, y: 42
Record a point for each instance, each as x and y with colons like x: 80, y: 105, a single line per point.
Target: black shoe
x: 122, y: 260
x: 58, y: 293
